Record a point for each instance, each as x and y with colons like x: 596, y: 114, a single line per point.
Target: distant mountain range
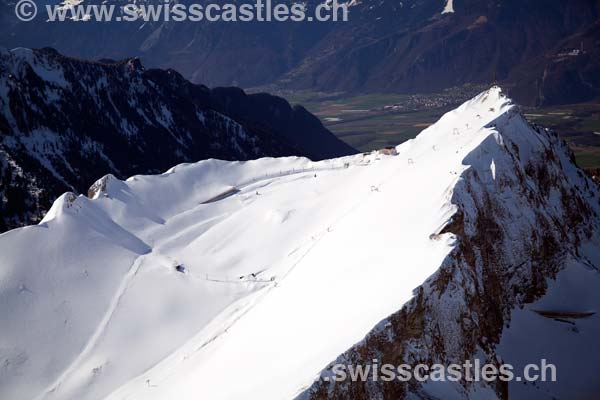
x: 547, y: 50
x: 64, y: 122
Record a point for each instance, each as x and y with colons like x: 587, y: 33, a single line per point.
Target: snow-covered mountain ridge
x: 526, y: 226
x: 64, y: 122
x: 263, y: 272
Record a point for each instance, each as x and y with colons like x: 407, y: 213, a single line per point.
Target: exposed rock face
x: 516, y: 228
x: 594, y: 173
x: 64, y: 122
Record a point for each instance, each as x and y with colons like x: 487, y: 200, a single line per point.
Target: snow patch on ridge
x: 449, y: 8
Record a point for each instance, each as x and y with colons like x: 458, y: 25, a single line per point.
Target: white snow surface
x: 449, y: 8
x: 286, y: 264
x: 568, y: 344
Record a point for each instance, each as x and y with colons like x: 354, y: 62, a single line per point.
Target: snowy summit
x: 230, y: 280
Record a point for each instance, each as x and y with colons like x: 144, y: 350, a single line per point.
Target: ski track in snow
x: 312, y: 243
x: 261, y: 293
x: 97, y: 335
x: 259, y: 270
x: 128, y: 278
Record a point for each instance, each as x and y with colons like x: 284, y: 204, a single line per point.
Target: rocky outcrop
x: 594, y: 174
x: 524, y: 209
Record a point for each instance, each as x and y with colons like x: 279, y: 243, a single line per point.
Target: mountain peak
x: 489, y: 103
x: 246, y: 240
x: 64, y: 202
x: 134, y: 64
x: 465, y: 127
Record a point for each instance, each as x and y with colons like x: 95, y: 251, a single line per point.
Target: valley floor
x: 370, y: 122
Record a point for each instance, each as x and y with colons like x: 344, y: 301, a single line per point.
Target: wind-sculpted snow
x: 227, y: 280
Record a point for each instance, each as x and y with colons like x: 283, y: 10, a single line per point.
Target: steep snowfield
x: 283, y: 264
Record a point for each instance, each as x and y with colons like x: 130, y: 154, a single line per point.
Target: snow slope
x: 527, y: 238
x: 283, y: 265
x: 575, y: 289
